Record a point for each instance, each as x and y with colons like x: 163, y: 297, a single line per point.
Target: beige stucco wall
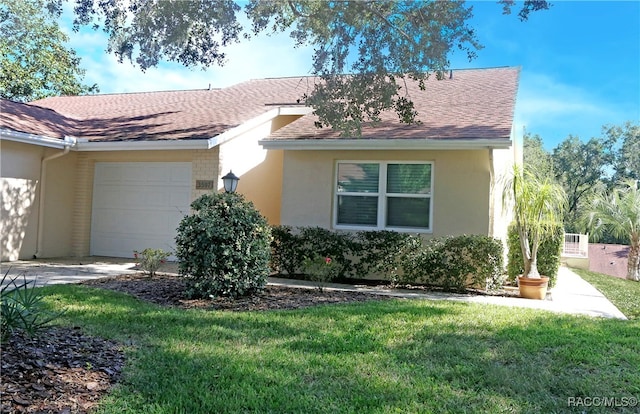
x: 260, y: 171
x: 19, y: 177
x: 503, y: 161
x: 21, y: 183
x: 69, y: 189
x: 576, y: 262
x: 461, y: 188
x: 57, y: 224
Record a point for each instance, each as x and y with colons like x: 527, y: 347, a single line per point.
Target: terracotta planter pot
x: 533, y: 288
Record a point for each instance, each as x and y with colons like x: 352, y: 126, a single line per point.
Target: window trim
x: 382, y: 196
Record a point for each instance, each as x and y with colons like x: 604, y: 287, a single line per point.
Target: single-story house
x: 108, y: 174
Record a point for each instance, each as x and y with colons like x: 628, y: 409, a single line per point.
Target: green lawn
x: 625, y: 294
x: 376, y: 357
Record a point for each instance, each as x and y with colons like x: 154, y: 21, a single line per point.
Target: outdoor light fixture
x: 230, y: 182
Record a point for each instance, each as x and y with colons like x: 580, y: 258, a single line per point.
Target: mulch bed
x: 168, y: 290
x: 63, y: 370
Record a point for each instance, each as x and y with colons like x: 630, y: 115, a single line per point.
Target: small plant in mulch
x: 149, y: 260
x: 320, y: 269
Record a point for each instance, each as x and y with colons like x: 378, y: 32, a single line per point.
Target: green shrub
x: 339, y: 246
x: 149, y: 260
x: 223, y: 247
x: 21, y: 308
x: 548, y: 255
x: 457, y: 263
x: 382, y: 252
x: 290, y: 247
x: 454, y: 263
x: 424, y: 264
x: 286, y: 252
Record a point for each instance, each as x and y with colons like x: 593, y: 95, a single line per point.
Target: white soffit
x: 384, y: 144
x: 257, y: 121
x: 85, y: 145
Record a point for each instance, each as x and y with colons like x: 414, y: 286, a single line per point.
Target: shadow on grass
x: 535, y: 362
x: 401, y: 355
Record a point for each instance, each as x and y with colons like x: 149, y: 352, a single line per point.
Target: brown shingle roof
x: 31, y: 119
x: 194, y: 114
x: 476, y: 103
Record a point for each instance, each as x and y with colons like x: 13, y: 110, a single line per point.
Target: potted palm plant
x: 538, y: 203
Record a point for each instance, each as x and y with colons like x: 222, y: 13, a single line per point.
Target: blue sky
x: 580, y: 64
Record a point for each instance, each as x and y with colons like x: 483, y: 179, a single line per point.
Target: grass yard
x: 623, y: 293
x: 375, y: 357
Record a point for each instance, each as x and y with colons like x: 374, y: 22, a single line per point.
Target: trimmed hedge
x: 453, y: 263
x: 384, y: 252
x: 457, y: 263
x: 290, y: 247
x: 286, y: 254
x: 548, y: 254
x: 339, y: 246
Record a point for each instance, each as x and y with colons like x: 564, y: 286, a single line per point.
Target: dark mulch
x: 63, y: 370
x: 168, y: 290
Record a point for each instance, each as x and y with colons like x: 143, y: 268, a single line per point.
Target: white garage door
x: 138, y: 205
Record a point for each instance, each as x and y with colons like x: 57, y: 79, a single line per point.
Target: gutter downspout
x: 69, y: 142
x: 492, y: 190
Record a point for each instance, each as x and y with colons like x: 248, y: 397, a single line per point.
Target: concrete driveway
x: 67, y: 270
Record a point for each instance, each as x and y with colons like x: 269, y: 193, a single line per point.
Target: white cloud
x: 543, y: 96
x: 546, y: 104
x: 260, y: 57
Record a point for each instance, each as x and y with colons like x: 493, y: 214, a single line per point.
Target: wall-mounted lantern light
x: 230, y: 182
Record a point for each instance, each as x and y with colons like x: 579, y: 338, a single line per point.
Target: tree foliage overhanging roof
x: 378, y: 42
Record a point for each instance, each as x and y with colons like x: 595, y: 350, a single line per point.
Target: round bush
x: 223, y: 247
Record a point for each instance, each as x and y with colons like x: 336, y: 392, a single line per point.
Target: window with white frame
x: 383, y: 195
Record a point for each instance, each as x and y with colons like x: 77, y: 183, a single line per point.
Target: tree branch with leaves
x: 378, y: 44
x: 34, y: 60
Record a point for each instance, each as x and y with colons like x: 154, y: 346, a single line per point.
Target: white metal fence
x: 575, y: 245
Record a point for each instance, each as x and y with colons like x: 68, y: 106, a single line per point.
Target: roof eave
x: 33, y: 139
x: 165, y: 145
x: 386, y: 144
x: 257, y: 121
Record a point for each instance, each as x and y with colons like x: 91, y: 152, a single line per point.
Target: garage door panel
x: 159, y: 223
x: 125, y: 248
x: 138, y: 206
x: 176, y: 198
x: 179, y: 175
x: 144, y: 198
x: 124, y: 174
x: 156, y: 176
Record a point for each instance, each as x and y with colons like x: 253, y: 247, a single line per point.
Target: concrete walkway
x: 67, y: 270
x: 570, y: 295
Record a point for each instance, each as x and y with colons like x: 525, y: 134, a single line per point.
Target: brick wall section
x: 81, y: 234
x: 204, y: 166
